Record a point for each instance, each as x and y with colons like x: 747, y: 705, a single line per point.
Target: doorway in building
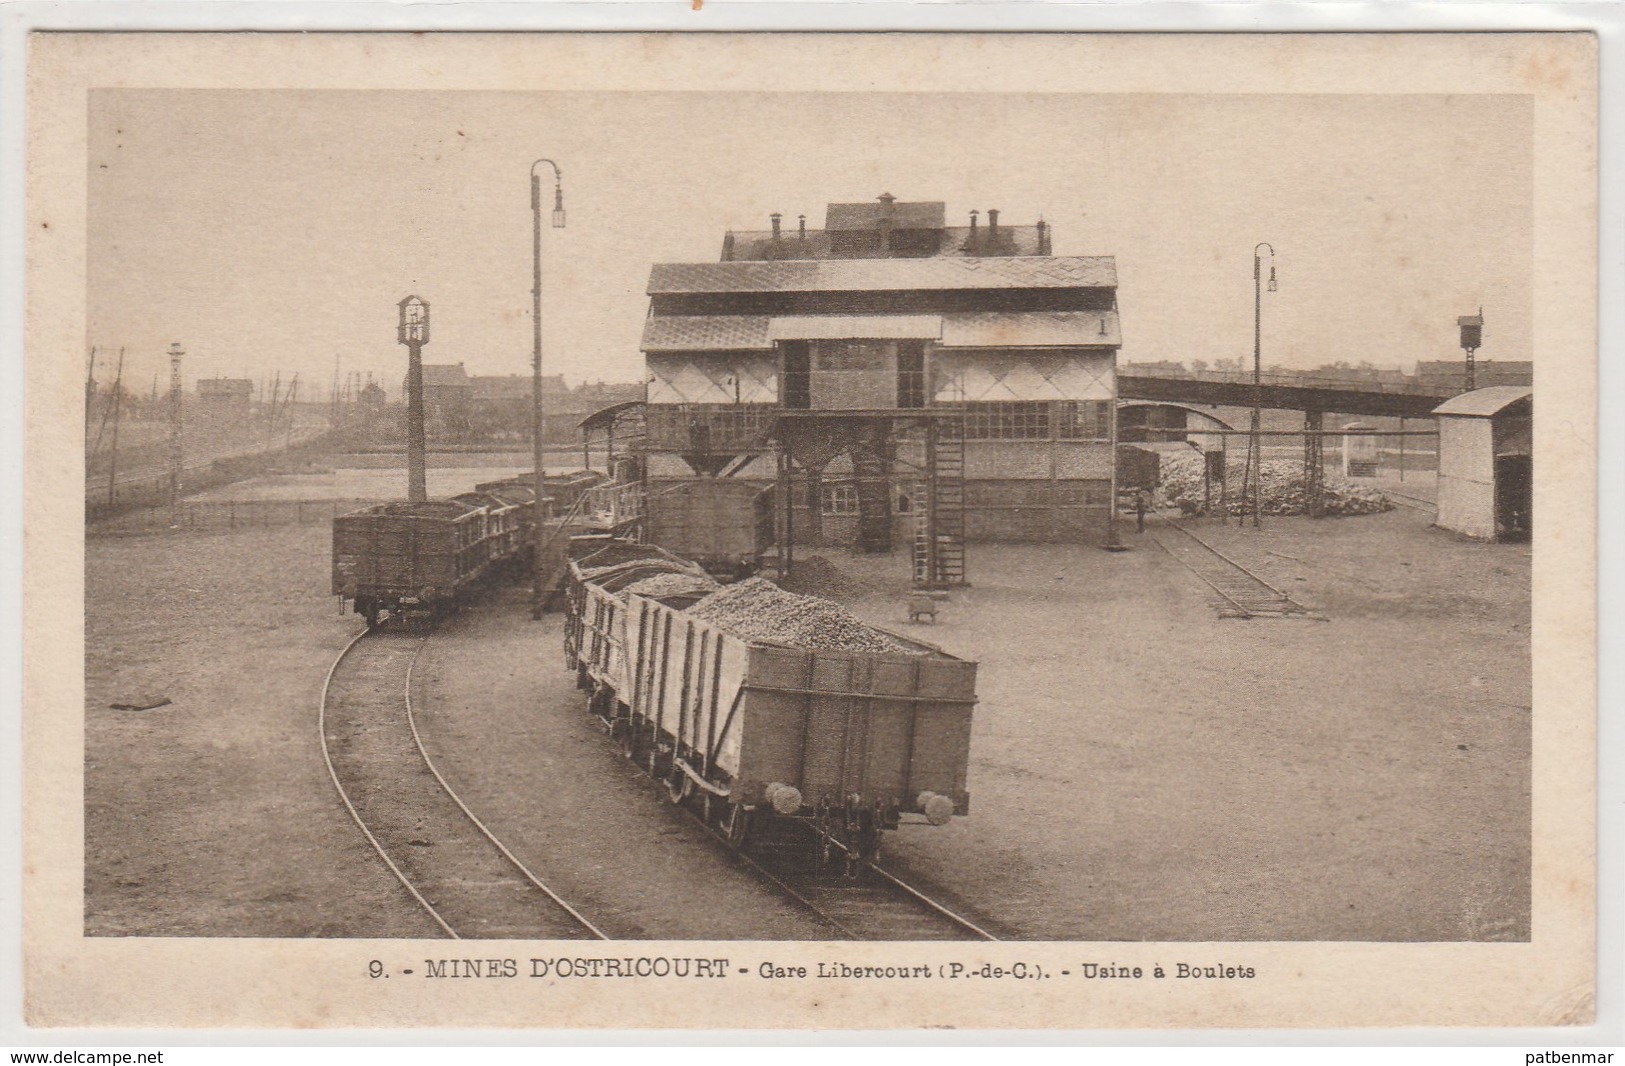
x: 1514, y: 496
x: 797, y: 375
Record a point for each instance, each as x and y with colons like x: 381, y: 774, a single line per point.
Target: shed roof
x: 859, y: 275
x: 706, y: 333
x: 1484, y: 403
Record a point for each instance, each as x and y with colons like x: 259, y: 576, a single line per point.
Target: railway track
x: 873, y: 905
x: 1242, y: 593
x: 462, y: 877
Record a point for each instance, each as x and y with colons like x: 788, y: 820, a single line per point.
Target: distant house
x: 445, y: 399
x: 225, y: 392
x: 500, y: 406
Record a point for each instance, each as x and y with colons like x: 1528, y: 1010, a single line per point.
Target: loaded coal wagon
x: 563, y: 490
x: 771, y: 710
x: 725, y: 526
x: 420, y: 560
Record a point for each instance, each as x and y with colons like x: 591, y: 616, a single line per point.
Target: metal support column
x: 1314, y: 465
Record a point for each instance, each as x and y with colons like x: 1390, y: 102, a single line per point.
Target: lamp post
x: 177, y: 451
x: 1250, y: 489
x: 1472, y: 336
x: 537, y: 415
x: 413, y: 332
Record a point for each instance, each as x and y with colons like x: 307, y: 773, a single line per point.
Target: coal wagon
x: 725, y: 526
x: 421, y: 560
x: 829, y: 725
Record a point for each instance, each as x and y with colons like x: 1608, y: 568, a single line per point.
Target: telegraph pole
x: 1251, y: 489
x: 177, y: 450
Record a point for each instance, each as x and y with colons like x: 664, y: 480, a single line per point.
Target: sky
x: 275, y: 231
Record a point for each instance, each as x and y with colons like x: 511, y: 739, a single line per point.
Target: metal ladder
x: 942, y: 519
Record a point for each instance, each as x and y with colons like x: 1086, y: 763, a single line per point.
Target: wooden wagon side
x: 415, y: 557
x: 851, y: 742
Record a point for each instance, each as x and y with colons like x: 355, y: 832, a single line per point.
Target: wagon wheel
x: 737, y: 825
x: 678, y: 786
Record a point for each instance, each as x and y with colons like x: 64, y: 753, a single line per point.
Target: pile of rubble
x: 1280, y: 489
x: 757, y: 609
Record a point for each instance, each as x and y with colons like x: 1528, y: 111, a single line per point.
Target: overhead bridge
x: 1315, y: 399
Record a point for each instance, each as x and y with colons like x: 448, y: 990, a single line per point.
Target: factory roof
x: 1025, y: 329
x: 1484, y: 403
x: 858, y: 275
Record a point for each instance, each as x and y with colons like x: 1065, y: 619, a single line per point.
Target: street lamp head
x: 1272, y: 277
x: 414, y: 323
x: 558, y: 205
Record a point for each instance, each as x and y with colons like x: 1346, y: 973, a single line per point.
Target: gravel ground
x: 1162, y: 774
x: 214, y: 816
x: 1141, y: 769
x: 507, y: 727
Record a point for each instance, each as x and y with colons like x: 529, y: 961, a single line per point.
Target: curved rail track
x: 1242, y: 593
x: 873, y: 905
x: 467, y: 882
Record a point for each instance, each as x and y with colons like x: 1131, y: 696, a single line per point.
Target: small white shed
x: 1486, y: 483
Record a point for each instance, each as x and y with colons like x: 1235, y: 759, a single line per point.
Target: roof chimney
x: 728, y: 246
x: 992, y: 222
x: 801, y: 227
x: 776, y: 217
x: 887, y: 198
x: 1043, y: 237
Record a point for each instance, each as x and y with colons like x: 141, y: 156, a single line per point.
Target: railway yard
x: 1309, y: 731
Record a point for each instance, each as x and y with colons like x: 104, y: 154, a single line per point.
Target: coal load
x: 1280, y: 489
x: 757, y: 609
x: 674, y: 584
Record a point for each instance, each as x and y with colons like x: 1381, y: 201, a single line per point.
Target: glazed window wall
x: 1037, y: 420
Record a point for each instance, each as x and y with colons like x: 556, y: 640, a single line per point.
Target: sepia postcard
x: 809, y: 530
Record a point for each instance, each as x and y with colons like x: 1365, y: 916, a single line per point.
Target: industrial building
x: 1486, y: 477
x: 901, y: 379
x: 225, y: 392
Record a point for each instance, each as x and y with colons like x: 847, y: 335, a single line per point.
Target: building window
x: 1084, y: 420
x: 1007, y: 420
x: 840, y: 500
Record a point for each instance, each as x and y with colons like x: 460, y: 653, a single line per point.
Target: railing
x: 621, y: 503
x: 1411, y: 386
x: 198, y: 516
